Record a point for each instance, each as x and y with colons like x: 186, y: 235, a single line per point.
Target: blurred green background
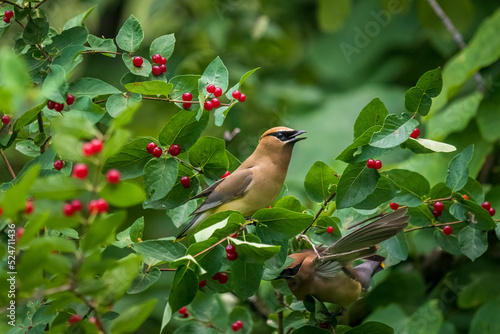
x: 321, y: 62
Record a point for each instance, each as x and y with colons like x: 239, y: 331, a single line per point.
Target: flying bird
x: 254, y: 185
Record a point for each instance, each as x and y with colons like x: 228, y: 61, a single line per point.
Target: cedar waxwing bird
x: 254, y: 185
x: 326, y: 272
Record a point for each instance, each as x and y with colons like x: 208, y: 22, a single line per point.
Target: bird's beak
x: 293, y: 137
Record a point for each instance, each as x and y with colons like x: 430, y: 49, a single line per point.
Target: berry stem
x: 188, y: 165
x: 434, y: 225
x: 40, y: 47
x: 438, y: 199
x: 323, y: 207
x: 97, y: 51
x: 39, y: 4
x: 8, y: 164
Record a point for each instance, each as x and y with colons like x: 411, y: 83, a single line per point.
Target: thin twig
x: 323, y: 206
x: 188, y: 165
x: 12, y: 3
x: 434, y: 225
x: 281, y: 327
x: 39, y: 4
x: 40, y: 129
x: 457, y: 37
x: 97, y: 51
x: 40, y: 47
x: 209, y: 248
x: 8, y: 164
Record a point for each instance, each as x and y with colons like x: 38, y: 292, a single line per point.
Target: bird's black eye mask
x: 287, y: 136
x: 289, y: 272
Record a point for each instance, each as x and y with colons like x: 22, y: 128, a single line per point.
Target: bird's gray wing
x: 208, y: 190
x: 234, y: 186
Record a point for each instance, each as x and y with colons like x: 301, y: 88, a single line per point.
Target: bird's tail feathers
x: 190, y: 226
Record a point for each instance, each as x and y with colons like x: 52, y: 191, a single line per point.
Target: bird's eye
x: 280, y: 136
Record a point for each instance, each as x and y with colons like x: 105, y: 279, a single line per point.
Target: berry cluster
x: 231, y: 252
x: 69, y: 209
x: 5, y: 119
x: 377, y: 164
x: 70, y: 99
x: 158, y: 69
x: 92, y: 147
x: 487, y: 207
x: 74, y: 319
x: 98, y: 206
x: 185, y: 180
x: 214, y: 102
x: 237, y: 325
x: 187, y: 97
x: 415, y: 133
x: 8, y: 15
x: 19, y: 233
x: 221, y: 277
x: 153, y: 149
x: 183, y: 312
x: 438, y: 209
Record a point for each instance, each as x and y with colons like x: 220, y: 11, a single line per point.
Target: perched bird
x: 326, y: 272
x: 254, y: 185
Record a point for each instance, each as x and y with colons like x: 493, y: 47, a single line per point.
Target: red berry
x: 202, y: 284
x: 437, y: 213
x: 102, y: 205
x: 185, y: 181
x: 215, y: 102
x: 236, y: 94
x: 492, y: 211
x: 370, y: 163
x: 58, y: 107
x: 9, y: 14
x: 323, y: 325
x: 156, y: 58
x: 439, y: 206
x: 19, y: 233
x: 76, y: 204
x: 415, y: 133
x: 68, y: 210
x: 163, y: 68
x: 1, y: 210
x: 186, y: 105
x: 113, y: 176
x: 5, y: 119
x: 29, y: 208
x: 230, y: 249
x: 51, y: 104
x: 242, y: 98
x: 223, y: 278
x: 6, y: 19
x: 187, y: 96
x: 232, y: 256
x: 174, y: 150
x: 329, y: 229
x: 138, y: 61
x: 447, y: 230
x: 93, y: 207
x: 74, y: 319
x: 486, y: 205
x: 58, y: 164
x: 234, y: 235
x: 208, y: 105
x: 394, y: 206
x: 87, y: 149
x: 157, y: 152
x: 151, y: 146
x: 216, y: 276
x: 378, y: 164
x: 235, y: 327
x: 163, y: 60
x: 96, y: 145
x: 183, y: 310
x: 156, y: 70
x: 217, y: 92
x: 239, y: 323
x: 226, y: 174
x: 465, y: 197
x: 211, y: 88
x: 80, y: 171
x: 70, y: 99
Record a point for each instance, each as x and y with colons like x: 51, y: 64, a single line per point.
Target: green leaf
x: 144, y: 70
x: 160, y: 176
x: 86, y: 109
x: 374, y: 113
x: 486, y: 319
x: 101, y: 231
x: 184, y: 84
x: 219, y: 225
x: 355, y: 184
x: 394, y: 132
x: 384, y: 192
x: 215, y: 73
x: 211, y: 260
x: 123, y: 194
x: 420, y: 215
x: 290, y: 203
x: 58, y: 186
x: 91, y: 87
x: 229, y: 93
x: 144, y: 280
x: 28, y: 116
x: 473, y: 242
x: 183, y: 129
x: 320, y: 182
x: 449, y: 243
x: 184, y: 288
x: 474, y: 190
x: 35, y: 30
x: 488, y: 116
x: 14, y: 199
x: 359, y: 150
x: 130, y: 36
x: 396, y: 246
x: 250, y: 252
x: 130, y: 235
x: 468, y: 210
x: 242, y: 314
x: 221, y: 113
x: 133, y: 317
x: 458, y: 170
x: 78, y: 20
x: 55, y: 86
x: 118, y: 104
x: 167, y: 315
x: 209, y: 154
x: 66, y: 46
x: 154, y: 87
x: 371, y: 327
x: 414, y: 187
x: 163, y: 45
x: 131, y: 159
x: 27, y: 147
x: 418, y: 98
x: 245, y: 277
x: 161, y: 249
x: 311, y: 330
x: 180, y: 214
x: 280, y: 221
x: 422, y: 146
x: 102, y: 44
x: 75, y: 126
x: 118, y: 278
x: 479, y: 290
